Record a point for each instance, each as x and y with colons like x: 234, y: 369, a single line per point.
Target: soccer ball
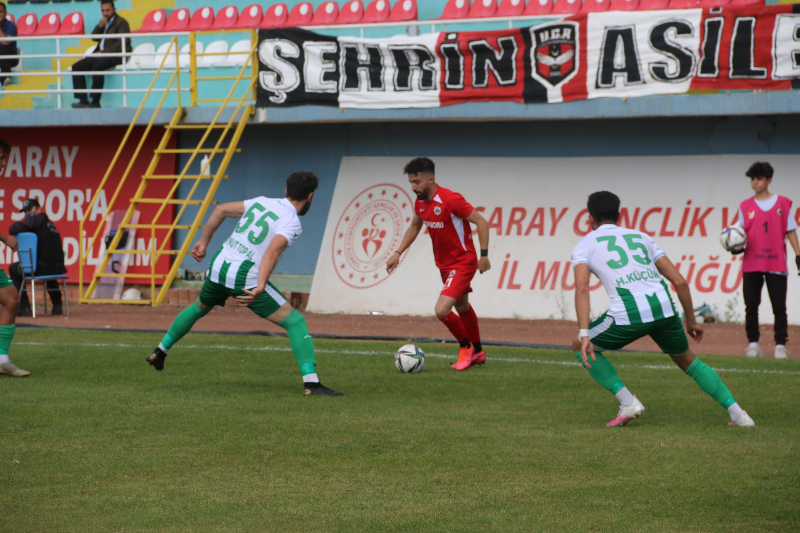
x: 409, y: 359
x: 733, y: 238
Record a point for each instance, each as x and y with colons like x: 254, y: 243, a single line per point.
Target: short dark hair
x: 760, y: 169
x: 4, y: 5
x: 420, y: 165
x: 4, y: 145
x: 300, y: 184
x: 603, y: 206
x: 108, y: 2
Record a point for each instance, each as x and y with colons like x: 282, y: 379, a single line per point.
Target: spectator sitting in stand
x: 7, y: 48
x: 49, y: 254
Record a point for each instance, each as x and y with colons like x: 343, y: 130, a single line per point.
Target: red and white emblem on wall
x: 369, y: 231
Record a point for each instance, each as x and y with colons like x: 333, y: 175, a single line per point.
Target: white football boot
x: 627, y: 413
x: 753, y: 350
x: 780, y: 352
x: 744, y: 421
x: 10, y: 369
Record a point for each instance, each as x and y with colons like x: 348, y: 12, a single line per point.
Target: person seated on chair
x: 49, y: 254
x: 7, y: 48
x: 110, y: 23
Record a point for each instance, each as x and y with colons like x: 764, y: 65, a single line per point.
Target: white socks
x: 624, y: 396
x: 311, y: 378
x: 161, y: 347
x: 735, y: 411
x: 4, y: 359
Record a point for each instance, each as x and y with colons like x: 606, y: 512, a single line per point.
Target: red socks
x: 453, y: 323
x: 470, y: 321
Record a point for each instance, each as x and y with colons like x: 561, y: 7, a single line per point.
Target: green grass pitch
x: 223, y: 440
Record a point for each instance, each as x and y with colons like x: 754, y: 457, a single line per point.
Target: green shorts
x: 5, y: 281
x: 668, y: 333
x: 215, y: 294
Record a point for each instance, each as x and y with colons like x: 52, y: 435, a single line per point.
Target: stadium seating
x: 178, y: 20
x: 72, y: 24
x: 377, y: 11
x: 746, y: 2
x: 510, y: 8
x: 682, y: 4
x: 625, y: 5
x: 216, y: 47
x: 226, y: 19
x: 351, y: 13
x: 162, y: 52
x: 538, y: 7
x: 566, y: 7
x: 10, y: 17
x: 482, y: 9
x: 456, y: 9
x: 326, y: 14
x: 49, y: 24
x: 141, y: 58
x: 713, y: 3
x: 595, y: 6
x: 275, y: 16
x: 238, y: 59
x: 300, y: 15
x: 153, y: 21
x: 250, y: 17
x: 403, y: 10
x: 202, y: 19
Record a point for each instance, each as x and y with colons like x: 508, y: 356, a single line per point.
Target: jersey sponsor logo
x: 368, y: 232
x: 438, y: 210
x: 780, y: 211
x: 434, y: 225
x: 751, y: 214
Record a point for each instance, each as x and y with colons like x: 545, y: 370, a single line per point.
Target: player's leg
x: 9, y: 300
x: 210, y: 295
x: 752, y: 282
x: 274, y: 307
x: 777, y: 285
x: 470, y: 321
x: 605, y: 334
x: 456, y: 285
x: 671, y: 338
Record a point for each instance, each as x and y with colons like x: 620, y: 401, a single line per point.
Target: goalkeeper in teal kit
x: 242, y: 267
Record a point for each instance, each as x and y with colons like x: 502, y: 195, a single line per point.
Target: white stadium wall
x: 536, y: 211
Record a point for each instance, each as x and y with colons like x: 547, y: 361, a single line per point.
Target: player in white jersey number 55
x: 630, y: 266
x: 242, y: 267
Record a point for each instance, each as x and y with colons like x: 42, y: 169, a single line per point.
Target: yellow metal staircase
x: 219, y: 138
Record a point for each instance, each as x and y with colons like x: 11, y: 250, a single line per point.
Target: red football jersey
x: 445, y: 216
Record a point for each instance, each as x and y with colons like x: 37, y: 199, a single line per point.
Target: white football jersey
x: 624, y: 261
x: 236, y: 264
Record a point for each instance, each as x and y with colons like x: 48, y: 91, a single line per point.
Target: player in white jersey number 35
x: 630, y: 266
x: 242, y: 267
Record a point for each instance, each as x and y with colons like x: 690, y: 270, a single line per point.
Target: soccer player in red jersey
x: 447, y: 216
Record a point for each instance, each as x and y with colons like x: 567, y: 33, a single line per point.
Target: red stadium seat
x: 227, y: 17
x: 250, y: 17
x: 352, y: 12
x: 566, y: 7
x: 49, y: 24
x: 153, y: 21
x: 595, y: 6
x: 510, y: 8
x: 275, y: 17
x: 10, y: 17
x: 72, y: 24
x: 539, y: 7
x: 377, y: 11
x: 456, y: 9
x: 713, y: 3
x: 746, y: 2
x: 326, y: 14
x: 650, y: 5
x: 403, y: 10
x: 482, y: 9
x: 27, y: 25
x: 625, y: 5
x: 178, y: 20
x: 301, y: 15
x: 682, y: 4
x: 202, y: 19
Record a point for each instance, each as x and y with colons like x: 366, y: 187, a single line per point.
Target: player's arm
x: 668, y: 270
x: 268, y: 262
x: 411, y: 234
x: 792, y: 236
x: 9, y: 241
x: 220, y: 213
x: 483, y: 239
x: 582, y: 307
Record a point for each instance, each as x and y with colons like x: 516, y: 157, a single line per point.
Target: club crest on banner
x: 369, y: 231
x: 555, y: 52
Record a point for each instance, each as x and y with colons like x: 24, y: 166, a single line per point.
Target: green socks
x: 6, y: 334
x: 182, y: 324
x: 302, y: 343
x: 603, y: 372
x: 709, y: 381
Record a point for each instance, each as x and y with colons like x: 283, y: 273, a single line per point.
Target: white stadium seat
x: 216, y: 47
x: 141, y: 57
x: 237, y: 60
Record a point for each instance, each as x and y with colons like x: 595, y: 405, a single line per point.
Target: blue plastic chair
x: 28, y: 243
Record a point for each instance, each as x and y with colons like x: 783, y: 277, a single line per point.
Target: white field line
x: 386, y: 354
